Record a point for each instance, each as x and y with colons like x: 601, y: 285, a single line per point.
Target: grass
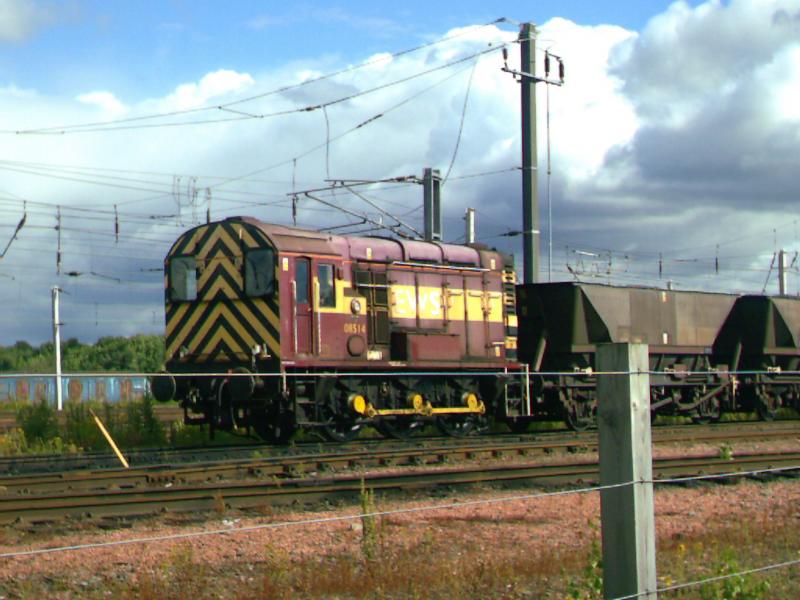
x: 376, y: 564
x: 132, y: 424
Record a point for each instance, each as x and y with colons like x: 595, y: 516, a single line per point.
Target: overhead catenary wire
x: 280, y: 90
x: 461, y: 122
x: 267, y: 115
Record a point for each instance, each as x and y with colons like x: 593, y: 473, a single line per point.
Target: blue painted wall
x: 27, y: 388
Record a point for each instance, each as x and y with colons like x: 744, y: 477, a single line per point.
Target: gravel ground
x: 557, y: 522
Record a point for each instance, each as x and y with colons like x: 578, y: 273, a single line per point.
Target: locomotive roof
x: 293, y: 239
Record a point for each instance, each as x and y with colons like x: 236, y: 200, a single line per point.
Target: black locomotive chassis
x: 316, y: 398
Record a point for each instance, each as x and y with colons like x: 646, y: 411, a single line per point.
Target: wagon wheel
x: 707, y: 412
x: 579, y: 416
x: 273, y: 426
x: 399, y: 428
x: 578, y: 410
x: 456, y: 425
x: 767, y: 405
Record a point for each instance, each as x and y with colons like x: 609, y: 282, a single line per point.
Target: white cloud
x: 211, y: 86
x: 19, y: 19
x: 590, y: 114
x: 106, y: 101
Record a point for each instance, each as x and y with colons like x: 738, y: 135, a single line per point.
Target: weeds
x: 434, y: 565
x: 15, y: 442
x: 726, y: 451
x: 276, y: 582
x: 590, y: 584
x: 38, y: 421
x: 131, y: 424
x: 218, y: 503
x: 369, y: 527
x: 734, y: 587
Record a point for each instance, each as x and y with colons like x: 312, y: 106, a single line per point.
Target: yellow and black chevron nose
x: 221, y: 324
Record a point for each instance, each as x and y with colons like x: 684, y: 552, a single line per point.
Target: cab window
x: 183, y: 278
x: 327, y: 292
x: 259, y: 272
x: 301, y: 280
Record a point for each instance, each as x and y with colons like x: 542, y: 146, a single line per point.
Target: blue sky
x: 676, y: 137
x: 141, y: 48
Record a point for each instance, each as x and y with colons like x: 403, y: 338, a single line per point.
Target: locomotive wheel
x: 398, y: 429
x: 273, y: 427
x: 338, y: 428
x: 224, y: 415
x: 455, y: 425
x: 518, y: 425
x: 341, y: 431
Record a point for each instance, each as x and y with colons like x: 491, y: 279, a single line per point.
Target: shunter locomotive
x: 277, y: 328
x: 274, y: 328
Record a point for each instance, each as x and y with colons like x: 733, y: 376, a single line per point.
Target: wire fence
x: 460, y: 504
x: 377, y: 373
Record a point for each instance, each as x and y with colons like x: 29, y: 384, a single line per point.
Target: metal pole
x: 470, y: 219
x: 549, y: 198
x: 431, y: 184
x: 530, y: 183
x: 57, y: 346
x: 626, y: 510
x: 782, y: 279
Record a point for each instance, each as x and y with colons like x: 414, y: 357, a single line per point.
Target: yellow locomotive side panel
x: 220, y: 323
x: 431, y: 303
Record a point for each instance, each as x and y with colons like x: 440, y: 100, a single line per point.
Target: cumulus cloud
x: 678, y: 142
x: 211, y: 86
x: 19, y: 19
x: 106, y: 101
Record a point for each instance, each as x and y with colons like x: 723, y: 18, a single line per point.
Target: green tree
x: 140, y: 353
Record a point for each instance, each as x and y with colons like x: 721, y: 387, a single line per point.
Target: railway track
x: 136, y: 490
x: 559, y: 439
x: 271, y: 491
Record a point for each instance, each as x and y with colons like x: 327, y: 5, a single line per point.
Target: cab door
x: 302, y: 306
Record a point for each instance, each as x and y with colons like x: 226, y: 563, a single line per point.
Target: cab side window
x: 259, y: 272
x: 327, y: 291
x: 301, y: 280
x: 183, y: 278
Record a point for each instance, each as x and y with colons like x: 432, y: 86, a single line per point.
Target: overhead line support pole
x: 530, y: 179
x: 469, y: 217
x: 432, y: 211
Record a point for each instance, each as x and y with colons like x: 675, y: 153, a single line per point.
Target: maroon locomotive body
x: 276, y: 328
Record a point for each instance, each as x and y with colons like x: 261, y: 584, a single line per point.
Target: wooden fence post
x: 628, y: 528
